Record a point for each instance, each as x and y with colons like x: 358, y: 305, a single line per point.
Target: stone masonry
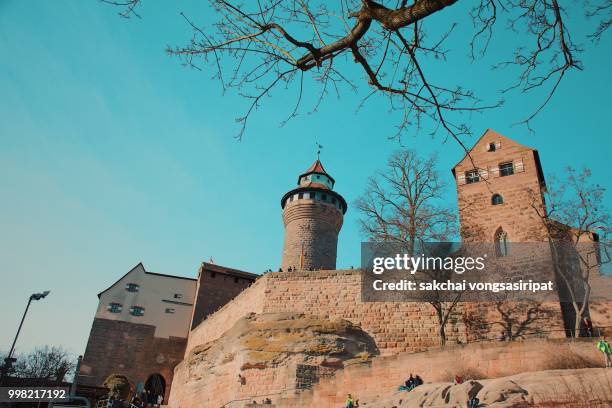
x: 131, y: 349
x: 481, y: 221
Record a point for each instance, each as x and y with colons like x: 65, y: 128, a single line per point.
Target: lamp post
x: 9, y: 360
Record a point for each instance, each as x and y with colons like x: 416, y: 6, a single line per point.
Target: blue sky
x: 112, y: 153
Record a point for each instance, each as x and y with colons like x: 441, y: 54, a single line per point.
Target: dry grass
x: 466, y: 373
x: 570, y: 362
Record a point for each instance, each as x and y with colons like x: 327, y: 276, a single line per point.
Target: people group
x: 411, y: 383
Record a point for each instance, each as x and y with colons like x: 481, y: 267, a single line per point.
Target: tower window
x: 324, y: 197
x: 497, y: 199
x: 472, y: 176
x: 300, y: 196
x: 115, y: 307
x: 334, y: 200
x: 506, y: 169
x: 492, y: 147
x: 178, y: 296
x: 169, y: 310
x: 137, y: 311
x: 132, y: 287
x: 308, y: 195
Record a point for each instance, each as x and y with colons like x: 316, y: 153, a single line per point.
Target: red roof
x: 316, y: 167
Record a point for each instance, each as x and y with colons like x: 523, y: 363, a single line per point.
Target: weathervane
x: 319, y: 147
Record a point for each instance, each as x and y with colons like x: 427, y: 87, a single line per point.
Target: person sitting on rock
x: 418, y: 381
x: 409, y: 382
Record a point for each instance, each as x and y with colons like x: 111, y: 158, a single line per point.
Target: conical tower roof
x: 316, y: 168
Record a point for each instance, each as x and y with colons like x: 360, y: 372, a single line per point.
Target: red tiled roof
x: 316, y: 167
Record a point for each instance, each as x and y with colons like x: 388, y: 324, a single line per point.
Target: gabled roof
x: 148, y: 273
x: 487, y: 132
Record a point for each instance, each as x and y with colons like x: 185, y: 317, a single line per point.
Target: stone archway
x: 155, y: 387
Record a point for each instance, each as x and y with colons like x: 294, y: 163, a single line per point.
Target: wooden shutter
x: 494, y: 171
x: 461, y: 179
x: 519, y: 167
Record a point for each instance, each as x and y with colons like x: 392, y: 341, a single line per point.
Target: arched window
x: 501, y: 242
x: 497, y: 199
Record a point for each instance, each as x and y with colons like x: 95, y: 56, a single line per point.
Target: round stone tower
x: 313, y: 215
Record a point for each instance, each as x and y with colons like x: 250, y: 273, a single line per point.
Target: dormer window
x: 472, y: 176
x: 132, y: 287
x: 506, y: 169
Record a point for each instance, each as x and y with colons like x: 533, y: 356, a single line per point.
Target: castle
x: 492, y: 183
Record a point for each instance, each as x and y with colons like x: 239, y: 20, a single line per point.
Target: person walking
x: 604, y: 347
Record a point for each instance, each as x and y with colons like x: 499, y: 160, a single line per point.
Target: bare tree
x: 257, y: 46
x: 403, y: 205
x: 50, y: 363
x: 577, y: 224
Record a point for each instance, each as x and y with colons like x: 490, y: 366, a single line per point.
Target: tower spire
x: 319, y: 147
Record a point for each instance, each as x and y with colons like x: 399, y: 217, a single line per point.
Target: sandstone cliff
x: 589, y: 387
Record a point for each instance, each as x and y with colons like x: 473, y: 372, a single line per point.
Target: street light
x: 9, y: 360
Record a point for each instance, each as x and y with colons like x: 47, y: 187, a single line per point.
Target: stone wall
x: 311, y: 234
x: 250, y: 300
x: 395, y: 326
x: 110, y: 341
x: 216, y: 286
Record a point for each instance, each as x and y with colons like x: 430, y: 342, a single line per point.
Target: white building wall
x: 156, y: 293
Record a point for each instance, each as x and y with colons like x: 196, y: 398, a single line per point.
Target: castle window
x: 497, y: 199
x: 308, y: 195
x: 169, y: 310
x: 472, y: 176
x: 137, y: 311
x: 324, y: 197
x: 300, y: 196
x: 501, y: 242
x: 115, y: 307
x: 132, y: 287
x: 492, y: 147
x: 178, y: 296
x: 506, y: 169
x: 334, y: 200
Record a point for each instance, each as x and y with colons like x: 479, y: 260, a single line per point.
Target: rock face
x: 268, y: 355
x: 589, y: 387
